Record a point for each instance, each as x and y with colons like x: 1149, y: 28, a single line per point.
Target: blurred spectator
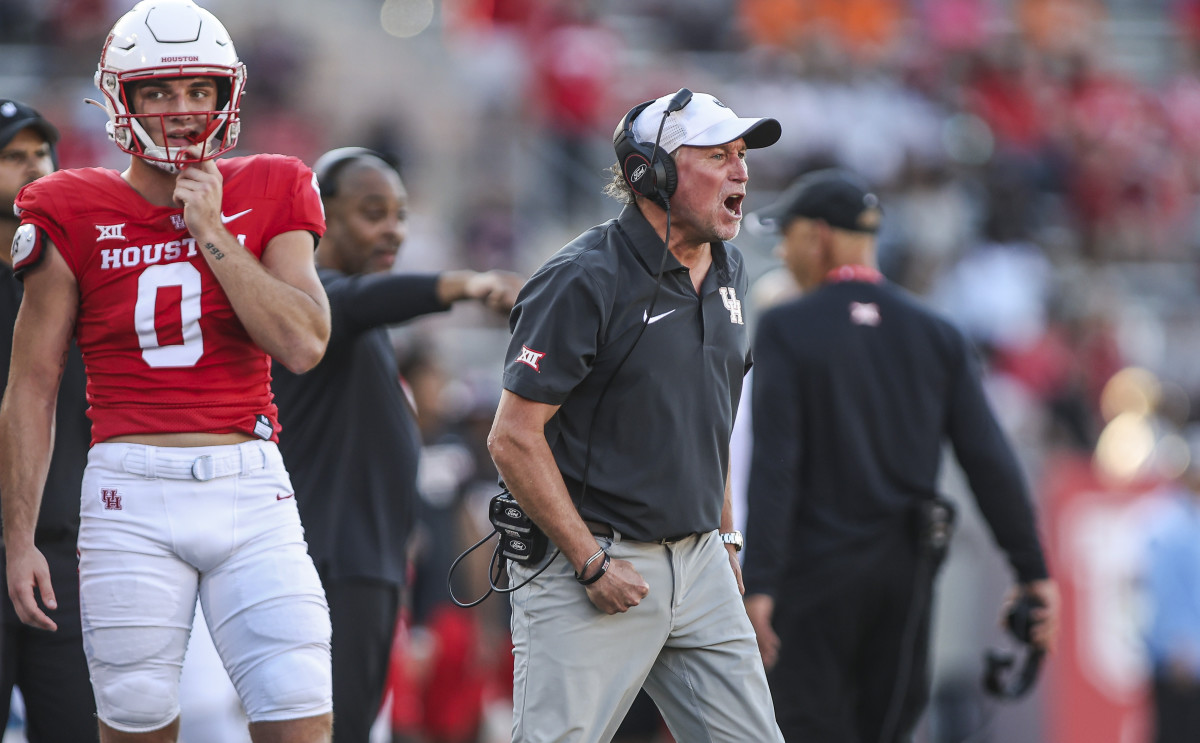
x: 1127, y: 187
x: 776, y: 23
x: 21, y: 21
x: 957, y: 25
x: 932, y: 217
x: 1061, y: 26
x: 1003, y: 88
x: 861, y: 26
x: 1172, y: 582
x: 280, y: 63
x: 574, y: 62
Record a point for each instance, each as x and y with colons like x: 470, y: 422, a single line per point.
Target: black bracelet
x: 599, y: 573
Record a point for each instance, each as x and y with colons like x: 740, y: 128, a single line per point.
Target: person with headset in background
x: 180, y: 279
x: 49, y: 668
x: 612, y: 433
x: 856, y: 387
x: 349, y: 434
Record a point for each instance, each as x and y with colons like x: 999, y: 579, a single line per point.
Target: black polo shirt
x: 348, y: 436
x: 660, y: 436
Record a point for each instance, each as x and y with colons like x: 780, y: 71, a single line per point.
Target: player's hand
x: 760, y: 607
x: 28, y: 576
x: 496, y: 289
x: 618, y: 590
x: 199, y: 189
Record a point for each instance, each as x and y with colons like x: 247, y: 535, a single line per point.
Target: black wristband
x: 599, y: 573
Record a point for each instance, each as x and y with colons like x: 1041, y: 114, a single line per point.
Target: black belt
x: 601, y: 529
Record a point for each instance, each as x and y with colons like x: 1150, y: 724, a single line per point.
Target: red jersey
x: 163, y: 348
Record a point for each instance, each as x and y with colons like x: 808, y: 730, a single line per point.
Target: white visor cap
x: 703, y: 122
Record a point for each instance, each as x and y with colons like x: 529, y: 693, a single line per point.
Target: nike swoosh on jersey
x: 651, y: 320
x: 231, y: 217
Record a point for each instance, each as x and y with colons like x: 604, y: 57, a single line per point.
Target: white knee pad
x: 290, y: 686
x: 136, y: 689
x: 278, y: 657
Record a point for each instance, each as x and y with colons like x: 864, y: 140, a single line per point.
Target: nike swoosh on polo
x: 231, y: 217
x: 651, y: 320
x: 283, y: 497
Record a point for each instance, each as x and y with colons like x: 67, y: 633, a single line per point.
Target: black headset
x: 329, y: 166
x: 1019, y: 623
x: 649, y: 171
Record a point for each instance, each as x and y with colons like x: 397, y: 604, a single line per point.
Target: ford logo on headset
x: 637, y: 174
x: 512, y: 513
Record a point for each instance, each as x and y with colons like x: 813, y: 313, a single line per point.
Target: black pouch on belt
x: 933, y: 526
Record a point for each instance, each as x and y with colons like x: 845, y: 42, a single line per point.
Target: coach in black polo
x: 856, y: 388
x: 620, y: 391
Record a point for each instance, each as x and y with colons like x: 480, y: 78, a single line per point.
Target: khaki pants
x: 689, y: 642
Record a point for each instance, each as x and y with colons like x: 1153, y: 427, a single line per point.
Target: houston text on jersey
x: 146, y: 255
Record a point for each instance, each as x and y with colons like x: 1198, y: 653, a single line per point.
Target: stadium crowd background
x: 1039, y: 166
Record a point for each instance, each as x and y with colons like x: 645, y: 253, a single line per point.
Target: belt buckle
x: 203, y: 469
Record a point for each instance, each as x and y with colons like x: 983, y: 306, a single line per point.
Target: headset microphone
x: 679, y: 100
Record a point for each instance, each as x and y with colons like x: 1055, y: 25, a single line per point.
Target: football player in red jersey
x: 180, y: 278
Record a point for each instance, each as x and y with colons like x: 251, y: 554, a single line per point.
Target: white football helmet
x: 170, y: 39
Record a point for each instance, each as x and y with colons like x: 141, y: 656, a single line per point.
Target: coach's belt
x: 153, y: 461
x: 599, y: 529
x: 672, y: 540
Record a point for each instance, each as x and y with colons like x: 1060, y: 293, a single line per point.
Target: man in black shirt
x: 348, y: 434
x: 48, y: 667
x: 620, y: 390
x: 856, y: 387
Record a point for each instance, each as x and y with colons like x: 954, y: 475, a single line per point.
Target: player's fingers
x: 28, y: 611
x: 184, y: 190
x: 46, y: 588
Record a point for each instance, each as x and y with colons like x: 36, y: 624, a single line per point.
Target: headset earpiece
x: 650, y: 174
x: 328, y: 167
